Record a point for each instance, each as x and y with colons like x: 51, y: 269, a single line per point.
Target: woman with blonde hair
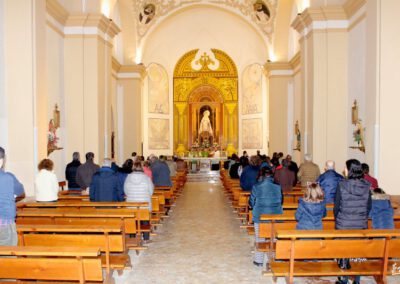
x: 311, y: 208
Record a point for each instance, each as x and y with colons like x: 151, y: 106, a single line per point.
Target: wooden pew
x: 109, y: 239
x: 49, y: 263
x: 378, y: 247
x: 128, y: 218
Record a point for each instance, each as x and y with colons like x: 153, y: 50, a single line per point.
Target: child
x: 311, y: 208
x: 381, y: 211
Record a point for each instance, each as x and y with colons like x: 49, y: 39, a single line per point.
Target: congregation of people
x: 355, y: 195
x: 133, y: 181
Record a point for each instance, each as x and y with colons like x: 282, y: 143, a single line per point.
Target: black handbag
x: 344, y: 263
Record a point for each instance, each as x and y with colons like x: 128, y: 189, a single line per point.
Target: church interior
x: 200, y: 79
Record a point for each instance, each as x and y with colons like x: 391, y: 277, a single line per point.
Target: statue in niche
x: 205, y: 124
x: 298, y: 136
x: 261, y: 11
x: 147, y: 14
x: 52, y: 138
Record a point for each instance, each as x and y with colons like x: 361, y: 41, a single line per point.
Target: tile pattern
x: 201, y: 242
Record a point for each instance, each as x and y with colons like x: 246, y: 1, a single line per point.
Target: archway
x: 205, y: 102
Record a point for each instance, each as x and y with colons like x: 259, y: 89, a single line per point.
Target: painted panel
x: 158, y: 89
x: 252, y: 133
x: 158, y: 134
x: 252, y: 89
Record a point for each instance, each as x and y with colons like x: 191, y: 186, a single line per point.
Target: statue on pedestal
x: 205, y: 124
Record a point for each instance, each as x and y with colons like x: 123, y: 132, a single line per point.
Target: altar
x: 204, y: 165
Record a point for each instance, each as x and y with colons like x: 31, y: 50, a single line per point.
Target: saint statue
x: 205, y: 124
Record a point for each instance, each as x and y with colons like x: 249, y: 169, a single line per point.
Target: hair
x: 75, y: 156
x: 265, y: 172
x: 137, y: 167
x: 285, y: 163
x: 313, y: 193
x: 308, y: 157
x: 365, y: 168
x: 89, y: 156
x: 46, y: 164
x: 146, y: 164
x: 330, y: 165
x: 134, y: 154
x: 234, y: 157
x: 354, y: 168
x: 127, y: 166
x: 254, y: 160
x: 280, y: 155
x: 378, y: 190
x: 2, y: 153
x: 107, y: 162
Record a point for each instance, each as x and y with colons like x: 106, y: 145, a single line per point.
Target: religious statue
x: 298, y: 136
x: 261, y: 11
x: 205, y: 124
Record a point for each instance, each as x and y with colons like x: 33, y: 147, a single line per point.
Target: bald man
x: 329, y: 181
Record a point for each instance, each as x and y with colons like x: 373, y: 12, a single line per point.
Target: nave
x: 200, y: 243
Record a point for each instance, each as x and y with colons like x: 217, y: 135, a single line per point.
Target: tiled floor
x: 202, y: 243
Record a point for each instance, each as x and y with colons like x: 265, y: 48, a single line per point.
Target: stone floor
x: 201, y: 242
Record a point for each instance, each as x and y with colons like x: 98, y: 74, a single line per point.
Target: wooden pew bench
x: 128, y: 218
x: 378, y: 248
x: 109, y: 239
x: 82, y: 265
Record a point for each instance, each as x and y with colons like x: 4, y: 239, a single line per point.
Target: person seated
x: 373, y: 181
x: 285, y: 177
x: 138, y: 187
x: 308, y: 171
x: 234, y: 168
x: 329, y: 181
x: 85, y: 171
x: 147, y: 170
x: 266, y: 198
x: 71, y: 170
x: 105, y: 185
x: 46, y: 183
x: 382, y: 211
x: 161, y: 172
x: 311, y: 208
x: 249, y: 174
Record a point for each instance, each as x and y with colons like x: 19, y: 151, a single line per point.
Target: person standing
x: 352, y: 206
x: 10, y: 187
x: 161, y: 172
x: 85, y: 172
x: 285, y: 177
x: 249, y: 175
x: 71, y: 170
x: 46, y: 183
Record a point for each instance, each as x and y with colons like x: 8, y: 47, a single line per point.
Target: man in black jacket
x: 70, y: 172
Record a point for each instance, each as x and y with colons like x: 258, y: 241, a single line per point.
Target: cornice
x: 352, y: 6
x: 115, y: 64
x: 57, y: 11
x: 295, y: 61
x: 132, y: 69
x: 98, y: 21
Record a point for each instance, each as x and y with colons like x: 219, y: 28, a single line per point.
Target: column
x: 181, y: 107
x: 87, y: 91
x: 324, y: 65
x: 230, y: 148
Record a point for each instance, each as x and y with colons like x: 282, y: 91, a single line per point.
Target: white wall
x: 55, y: 92
x: 357, y: 82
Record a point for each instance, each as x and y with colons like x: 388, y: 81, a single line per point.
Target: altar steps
x: 210, y: 176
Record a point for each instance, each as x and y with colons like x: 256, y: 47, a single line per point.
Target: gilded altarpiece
x: 205, y: 102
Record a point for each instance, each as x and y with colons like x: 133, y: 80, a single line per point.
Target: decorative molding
x: 164, y: 7
x: 91, y: 24
x: 351, y: 7
x: 295, y: 61
x: 115, y: 64
x: 57, y: 11
x: 357, y: 21
x: 130, y: 71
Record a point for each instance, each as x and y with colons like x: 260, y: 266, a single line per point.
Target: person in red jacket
x: 373, y: 181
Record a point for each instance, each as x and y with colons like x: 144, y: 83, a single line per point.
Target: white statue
x: 205, y: 124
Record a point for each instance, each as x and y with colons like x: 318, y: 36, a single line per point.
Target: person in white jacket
x: 138, y: 187
x: 46, y: 183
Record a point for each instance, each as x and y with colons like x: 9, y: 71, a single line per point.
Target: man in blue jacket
x: 10, y: 188
x: 329, y: 181
x: 105, y: 185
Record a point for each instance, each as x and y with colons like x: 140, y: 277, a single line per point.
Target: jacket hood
x: 358, y: 186
x: 314, y: 209
x: 105, y: 172
x: 378, y: 196
x: 137, y: 177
